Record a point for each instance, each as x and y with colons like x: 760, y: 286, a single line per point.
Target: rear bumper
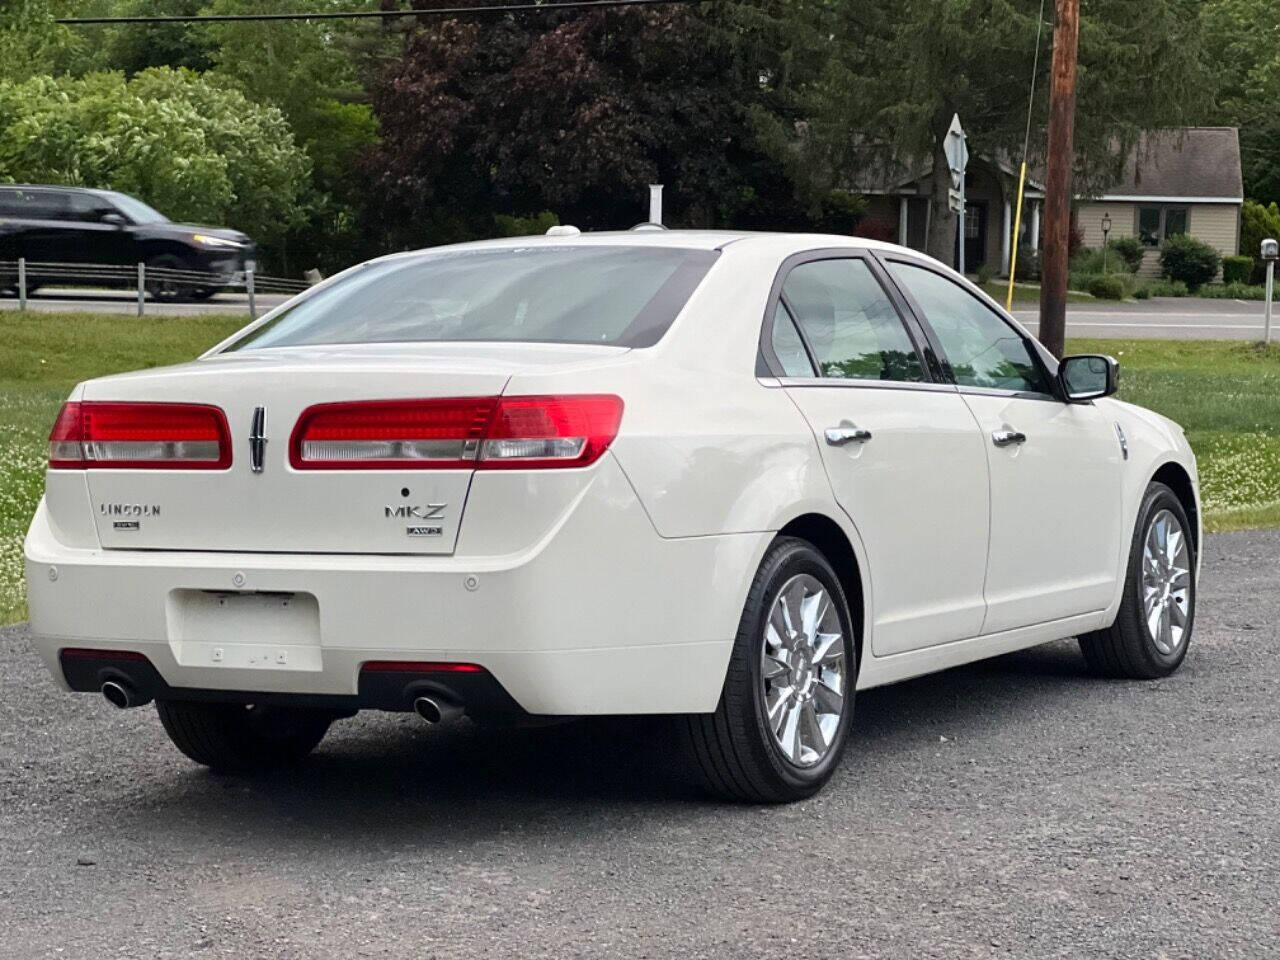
x: 601, y: 617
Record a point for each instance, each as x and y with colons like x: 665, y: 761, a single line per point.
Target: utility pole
x: 1061, y: 154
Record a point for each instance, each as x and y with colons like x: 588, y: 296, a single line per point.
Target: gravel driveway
x: 1015, y: 808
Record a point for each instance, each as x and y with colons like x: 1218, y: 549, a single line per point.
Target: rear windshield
x: 625, y: 296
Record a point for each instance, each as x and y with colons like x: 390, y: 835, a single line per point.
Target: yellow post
x: 1013, y: 241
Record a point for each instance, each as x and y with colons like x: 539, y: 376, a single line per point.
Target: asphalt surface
x: 1016, y: 808
x: 1163, y: 318
x: 126, y: 302
x: 1186, y: 318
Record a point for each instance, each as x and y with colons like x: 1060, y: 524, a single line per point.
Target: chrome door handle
x: 839, y: 436
x: 1007, y: 438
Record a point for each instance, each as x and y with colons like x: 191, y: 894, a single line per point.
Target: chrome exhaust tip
x: 435, y: 709
x: 120, y: 694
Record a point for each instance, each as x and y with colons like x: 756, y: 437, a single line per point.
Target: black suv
x: 74, y: 227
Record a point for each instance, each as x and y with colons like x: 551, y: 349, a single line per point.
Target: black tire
x: 166, y: 290
x: 1127, y: 649
x: 237, y: 737
x: 733, y: 753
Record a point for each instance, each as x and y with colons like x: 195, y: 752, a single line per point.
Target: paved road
x: 1012, y: 809
x: 1187, y: 318
x: 125, y: 301
x: 1183, y: 319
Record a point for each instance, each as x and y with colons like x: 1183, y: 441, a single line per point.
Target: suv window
x: 24, y: 204
x: 982, y: 349
x: 87, y: 207
x: 849, y: 322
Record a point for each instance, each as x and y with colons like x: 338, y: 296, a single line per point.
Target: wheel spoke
x: 828, y: 700
x: 829, y: 649
x: 790, y: 735
x: 810, y: 730
x: 771, y: 668
x: 776, y: 707
x: 813, y: 609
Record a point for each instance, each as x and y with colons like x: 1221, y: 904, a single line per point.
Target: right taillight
x: 139, y: 436
x: 471, y: 432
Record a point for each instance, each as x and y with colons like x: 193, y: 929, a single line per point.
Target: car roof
x: 785, y: 243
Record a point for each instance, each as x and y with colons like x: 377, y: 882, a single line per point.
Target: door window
x: 34, y: 204
x: 86, y: 208
x: 850, y: 324
x: 982, y: 349
x: 788, y: 347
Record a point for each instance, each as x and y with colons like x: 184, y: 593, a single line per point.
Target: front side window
x: 850, y: 323
x: 982, y: 349
x: 617, y: 295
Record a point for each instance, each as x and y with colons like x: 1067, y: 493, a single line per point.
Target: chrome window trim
x: 854, y: 384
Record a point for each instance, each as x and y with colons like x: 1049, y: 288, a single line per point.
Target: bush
x: 1111, y: 286
x: 986, y: 273
x: 1028, y: 264
x: 537, y: 224
x: 1258, y: 223
x: 1192, y: 261
x: 1142, y: 293
x: 1130, y: 250
x: 1238, y: 291
x: 1236, y: 269
x: 1165, y: 288
x: 1087, y: 261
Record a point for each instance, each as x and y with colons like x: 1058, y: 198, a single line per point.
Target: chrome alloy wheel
x: 1166, y: 582
x: 804, y: 670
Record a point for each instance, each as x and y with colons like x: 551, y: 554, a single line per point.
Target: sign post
x: 1270, y: 252
x: 957, y: 152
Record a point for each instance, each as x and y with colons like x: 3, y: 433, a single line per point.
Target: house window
x: 1157, y: 224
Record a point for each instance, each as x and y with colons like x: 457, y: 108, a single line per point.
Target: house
x: 1175, y: 181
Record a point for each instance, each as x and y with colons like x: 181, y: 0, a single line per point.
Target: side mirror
x: 1088, y: 377
x: 114, y: 219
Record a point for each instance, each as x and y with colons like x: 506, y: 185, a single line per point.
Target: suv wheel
x: 164, y: 285
x: 785, y: 711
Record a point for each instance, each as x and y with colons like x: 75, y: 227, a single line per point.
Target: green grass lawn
x: 1227, y: 395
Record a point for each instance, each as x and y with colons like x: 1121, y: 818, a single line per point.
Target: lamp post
x: 1270, y: 252
x: 1106, y: 229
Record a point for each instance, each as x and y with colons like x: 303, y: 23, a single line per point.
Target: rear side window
x: 23, y: 204
x: 623, y: 296
x: 849, y: 322
x: 982, y: 349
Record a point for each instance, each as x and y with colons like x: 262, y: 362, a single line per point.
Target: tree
x: 1242, y: 38
x: 896, y: 71
x: 576, y: 113
x: 194, y: 150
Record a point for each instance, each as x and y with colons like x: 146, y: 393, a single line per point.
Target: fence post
x: 22, y: 283
x: 249, y: 266
x: 142, y: 287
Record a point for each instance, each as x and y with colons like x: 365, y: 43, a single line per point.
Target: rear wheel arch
x: 833, y: 543
x: 1174, y: 476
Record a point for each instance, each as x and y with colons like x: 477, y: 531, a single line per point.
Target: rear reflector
x: 419, y: 666
x: 81, y: 653
x: 469, y: 432
x: 140, y: 436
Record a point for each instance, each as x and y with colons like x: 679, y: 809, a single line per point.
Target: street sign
x: 955, y: 199
x: 957, y: 151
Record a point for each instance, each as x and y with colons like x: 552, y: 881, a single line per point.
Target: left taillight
x: 140, y: 436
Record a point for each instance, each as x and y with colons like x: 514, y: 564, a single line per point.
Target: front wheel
x: 783, y: 718
x: 237, y: 737
x: 1153, y: 628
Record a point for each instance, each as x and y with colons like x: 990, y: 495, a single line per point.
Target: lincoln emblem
x: 258, y: 439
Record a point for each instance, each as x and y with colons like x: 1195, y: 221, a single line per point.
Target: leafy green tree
x: 194, y: 150
x: 1242, y: 38
x: 893, y: 73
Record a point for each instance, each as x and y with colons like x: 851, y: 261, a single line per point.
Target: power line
x: 378, y: 14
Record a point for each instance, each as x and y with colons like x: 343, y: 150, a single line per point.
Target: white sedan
x: 726, y: 477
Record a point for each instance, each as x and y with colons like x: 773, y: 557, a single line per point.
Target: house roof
x: 1189, y: 163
